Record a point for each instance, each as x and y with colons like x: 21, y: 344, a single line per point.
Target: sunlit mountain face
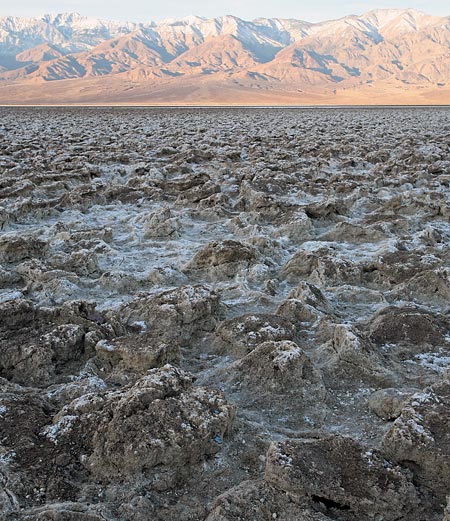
x: 382, y: 55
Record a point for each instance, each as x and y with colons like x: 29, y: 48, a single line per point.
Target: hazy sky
x: 142, y: 10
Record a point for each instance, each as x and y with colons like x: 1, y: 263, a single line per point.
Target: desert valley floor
x: 224, y: 314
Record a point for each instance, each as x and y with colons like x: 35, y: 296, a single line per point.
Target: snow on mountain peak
x: 383, y: 17
x: 334, y: 50
x: 187, y: 20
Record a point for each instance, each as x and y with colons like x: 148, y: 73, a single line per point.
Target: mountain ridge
x: 395, y: 51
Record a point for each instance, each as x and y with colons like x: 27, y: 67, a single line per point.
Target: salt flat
x: 223, y: 314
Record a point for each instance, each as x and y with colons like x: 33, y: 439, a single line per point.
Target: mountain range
x: 381, y: 57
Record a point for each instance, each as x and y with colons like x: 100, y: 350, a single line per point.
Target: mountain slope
x: 383, y: 52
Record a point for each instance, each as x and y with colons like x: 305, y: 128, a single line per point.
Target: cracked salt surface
x: 336, y: 236
x: 128, y: 254
x: 437, y: 362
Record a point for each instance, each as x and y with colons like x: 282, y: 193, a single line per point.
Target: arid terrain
x: 224, y: 314
x: 382, y: 57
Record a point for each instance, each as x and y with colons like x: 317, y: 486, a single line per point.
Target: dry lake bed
x: 224, y: 314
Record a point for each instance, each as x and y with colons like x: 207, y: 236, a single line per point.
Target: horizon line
x: 218, y: 106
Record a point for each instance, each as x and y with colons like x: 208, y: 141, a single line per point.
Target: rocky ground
x: 224, y: 315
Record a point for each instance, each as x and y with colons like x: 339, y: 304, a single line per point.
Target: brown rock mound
x: 420, y: 438
x: 222, y: 258
x: 257, y: 500
x: 41, y: 345
x: 241, y: 334
x: 176, y: 314
x: 156, y: 429
x: 347, y: 480
x: 278, y: 367
x: 322, y: 267
x: 407, y: 324
x: 136, y: 353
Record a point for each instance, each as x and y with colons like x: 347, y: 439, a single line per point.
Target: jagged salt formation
x: 224, y: 315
